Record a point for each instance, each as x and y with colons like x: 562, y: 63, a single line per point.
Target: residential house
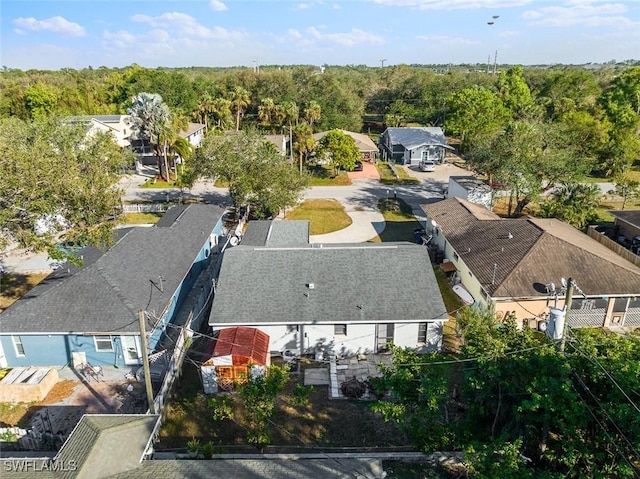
x: 117, y: 125
x: 338, y: 299
x: 279, y: 141
x: 90, y: 314
x: 520, y: 266
x: 194, y: 133
x: 410, y: 146
x: 471, y: 189
x: 364, y: 143
x: 627, y: 225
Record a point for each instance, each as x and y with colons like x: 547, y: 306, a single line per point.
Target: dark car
x: 358, y: 166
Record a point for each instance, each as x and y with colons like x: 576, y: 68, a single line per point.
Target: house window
x: 455, y: 256
x: 422, y: 332
x: 18, y: 346
x: 340, y: 329
x: 103, y: 343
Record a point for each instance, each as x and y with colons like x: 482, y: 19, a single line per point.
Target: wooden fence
x: 613, y: 246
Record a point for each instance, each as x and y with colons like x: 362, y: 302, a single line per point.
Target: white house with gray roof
x: 336, y: 298
x: 410, y: 146
x: 92, y: 312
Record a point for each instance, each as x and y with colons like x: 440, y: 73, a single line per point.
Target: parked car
x: 358, y: 166
x: 427, y: 165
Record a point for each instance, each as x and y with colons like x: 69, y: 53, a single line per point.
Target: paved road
x: 359, y: 199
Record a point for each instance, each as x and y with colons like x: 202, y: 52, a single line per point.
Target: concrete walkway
x: 365, y: 226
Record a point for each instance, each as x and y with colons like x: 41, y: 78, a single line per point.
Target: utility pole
x: 145, y: 362
x: 567, y: 307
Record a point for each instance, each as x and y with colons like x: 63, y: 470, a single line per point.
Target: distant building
x: 409, y: 146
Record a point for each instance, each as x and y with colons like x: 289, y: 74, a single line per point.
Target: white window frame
x: 103, y: 336
x: 18, y: 346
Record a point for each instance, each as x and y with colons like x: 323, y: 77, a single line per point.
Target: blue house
x: 90, y: 314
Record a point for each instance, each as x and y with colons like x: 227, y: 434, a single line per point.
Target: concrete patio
x: 361, y: 367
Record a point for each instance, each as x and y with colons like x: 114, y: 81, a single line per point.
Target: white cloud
x: 453, y: 4
x: 302, y: 6
x: 347, y: 39
x: 217, y: 6
x: 585, y: 13
x: 185, y: 26
x: 446, y: 40
x: 54, y: 24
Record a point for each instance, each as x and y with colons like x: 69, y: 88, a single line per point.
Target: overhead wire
x: 607, y: 373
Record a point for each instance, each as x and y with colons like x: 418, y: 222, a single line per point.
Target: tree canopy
x: 340, y: 149
x: 57, y: 179
x: 518, y: 406
x: 258, y: 176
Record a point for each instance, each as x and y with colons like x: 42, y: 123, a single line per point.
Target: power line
x: 597, y: 363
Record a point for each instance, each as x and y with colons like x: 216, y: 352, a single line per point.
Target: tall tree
x: 41, y: 100
x: 514, y: 92
x: 240, y: 100
x: 312, y: 112
x: 258, y: 176
x: 340, y: 149
x: 56, y: 179
x: 474, y: 112
x: 574, y: 203
x: 150, y: 118
x: 266, y: 112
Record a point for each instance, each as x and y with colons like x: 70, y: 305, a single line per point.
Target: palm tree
x: 240, y: 100
x: 205, y: 109
x: 266, y: 112
x: 312, y: 112
x: 222, y: 112
x: 150, y: 117
x: 170, y: 135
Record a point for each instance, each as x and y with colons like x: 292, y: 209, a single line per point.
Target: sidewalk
x: 366, y: 225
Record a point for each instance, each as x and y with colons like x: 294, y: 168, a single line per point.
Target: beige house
x: 520, y: 266
x: 365, y: 144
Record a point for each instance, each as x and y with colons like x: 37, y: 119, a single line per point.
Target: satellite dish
x: 234, y: 241
x: 433, y: 223
x: 564, y: 282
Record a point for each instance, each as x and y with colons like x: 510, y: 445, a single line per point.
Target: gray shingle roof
x: 276, y: 233
x: 413, y: 137
x: 103, y: 445
x: 257, y: 469
x: 351, y: 283
x: 630, y: 216
x: 509, y: 256
x: 106, y: 295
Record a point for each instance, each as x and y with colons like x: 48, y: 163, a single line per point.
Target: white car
x: 427, y: 165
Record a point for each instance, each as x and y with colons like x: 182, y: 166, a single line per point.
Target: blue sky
x: 77, y: 34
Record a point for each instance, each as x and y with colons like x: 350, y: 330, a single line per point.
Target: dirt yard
x: 323, y: 423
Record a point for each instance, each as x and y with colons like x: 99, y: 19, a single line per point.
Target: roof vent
x: 311, y: 285
x: 509, y: 235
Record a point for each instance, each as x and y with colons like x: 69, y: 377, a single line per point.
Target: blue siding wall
x: 201, y: 262
x: 53, y: 350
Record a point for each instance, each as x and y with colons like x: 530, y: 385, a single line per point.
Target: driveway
x: 369, y: 171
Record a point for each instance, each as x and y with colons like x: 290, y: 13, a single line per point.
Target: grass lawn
x: 324, y: 215
x: 140, y: 218
x: 388, y: 178
x: 400, y: 222
x: 14, y: 286
x: 323, y: 175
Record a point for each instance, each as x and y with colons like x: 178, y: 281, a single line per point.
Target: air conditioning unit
x: 533, y: 323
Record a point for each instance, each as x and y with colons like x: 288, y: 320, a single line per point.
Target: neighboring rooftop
x: 413, y: 137
x: 470, y: 182
x: 629, y: 216
x: 510, y: 256
x: 106, y: 294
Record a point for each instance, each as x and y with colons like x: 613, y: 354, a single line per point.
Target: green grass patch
x: 140, y: 218
x: 324, y: 215
x: 400, y: 222
x: 387, y: 176
x: 323, y: 175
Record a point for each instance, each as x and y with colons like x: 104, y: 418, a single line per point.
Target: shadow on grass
x: 400, y: 221
x: 322, y: 175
